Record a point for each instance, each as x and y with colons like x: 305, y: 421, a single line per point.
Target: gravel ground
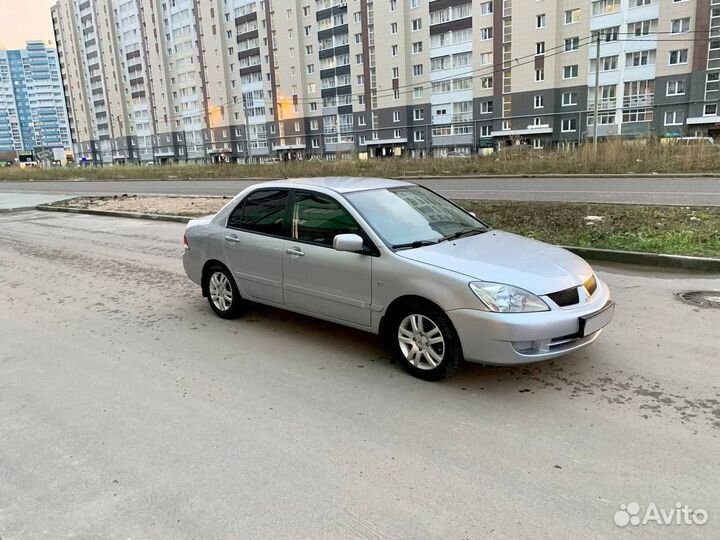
x: 174, y: 206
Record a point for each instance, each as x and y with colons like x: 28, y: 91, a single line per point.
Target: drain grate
x: 710, y: 299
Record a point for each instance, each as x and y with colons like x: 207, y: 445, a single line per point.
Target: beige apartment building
x: 239, y: 80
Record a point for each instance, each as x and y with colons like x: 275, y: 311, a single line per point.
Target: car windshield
x: 413, y: 216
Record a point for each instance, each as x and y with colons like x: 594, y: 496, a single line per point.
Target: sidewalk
x: 15, y: 202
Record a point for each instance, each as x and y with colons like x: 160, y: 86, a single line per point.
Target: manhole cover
x: 709, y: 299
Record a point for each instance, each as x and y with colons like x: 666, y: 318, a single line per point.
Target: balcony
x: 604, y: 104
x: 644, y: 100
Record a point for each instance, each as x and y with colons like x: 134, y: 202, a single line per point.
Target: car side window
x: 235, y: 218
x: 263, y: 212
x: 317, y: 219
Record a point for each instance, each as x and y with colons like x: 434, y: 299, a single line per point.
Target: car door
x: 254, y: 241
x: 316, y: 278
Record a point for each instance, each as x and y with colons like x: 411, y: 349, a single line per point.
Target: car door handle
x: 232, y: 238
x: 297, y: 252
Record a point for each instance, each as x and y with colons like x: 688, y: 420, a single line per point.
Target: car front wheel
x: 426, y: 342
x: 222, y: 293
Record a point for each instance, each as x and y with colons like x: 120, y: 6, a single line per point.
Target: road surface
x: 128, y: 410
x: 677, y: 191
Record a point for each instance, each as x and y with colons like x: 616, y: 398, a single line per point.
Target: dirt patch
x: 169, y: 206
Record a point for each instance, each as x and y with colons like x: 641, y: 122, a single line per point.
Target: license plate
x: 589, y: 324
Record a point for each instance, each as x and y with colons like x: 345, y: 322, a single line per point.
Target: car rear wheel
x: 222, y: 293
x: 426, y: 342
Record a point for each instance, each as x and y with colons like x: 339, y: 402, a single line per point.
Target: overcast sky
x: 23, y: 20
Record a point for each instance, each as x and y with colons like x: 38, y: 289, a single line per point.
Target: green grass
x: 651, y: 229
x: 613, y: 157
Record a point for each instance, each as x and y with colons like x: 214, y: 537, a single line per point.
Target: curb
x: 108, y: 213
x: 706, y: 264
x: 16, y: 209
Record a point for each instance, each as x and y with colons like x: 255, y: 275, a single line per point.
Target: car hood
x: 503, y: 257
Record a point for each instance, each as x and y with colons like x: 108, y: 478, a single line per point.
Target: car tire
x: 425, y: 341
x: 222, y: 293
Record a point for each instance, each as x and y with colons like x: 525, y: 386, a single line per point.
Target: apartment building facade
x: 237, y: 80
x: 32, y: 104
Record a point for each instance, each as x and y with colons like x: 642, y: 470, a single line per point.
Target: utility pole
x: 247, y: 130
x: 597, y: 91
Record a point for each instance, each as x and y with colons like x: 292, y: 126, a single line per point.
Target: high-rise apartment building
x: 232, y: 80
x: 32, y: 105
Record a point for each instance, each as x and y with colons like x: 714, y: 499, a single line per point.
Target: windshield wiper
x: 416, y: 244
x: 464, y: 232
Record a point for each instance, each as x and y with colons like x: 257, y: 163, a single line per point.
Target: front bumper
x: 522, y: 338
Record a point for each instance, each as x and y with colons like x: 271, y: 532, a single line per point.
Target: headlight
x: 506, y: 298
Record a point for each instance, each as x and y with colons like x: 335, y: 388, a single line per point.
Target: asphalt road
x: 661, y: 190
x: 128, y: 410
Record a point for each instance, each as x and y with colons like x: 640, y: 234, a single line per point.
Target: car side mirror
x: 348, y: 242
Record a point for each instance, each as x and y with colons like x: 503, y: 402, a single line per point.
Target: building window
x: 572, y: 16
x: 396, y: 116
x: 393, y: 28
x: 603, y: 7
x: 640, y: 58
x: 571, y: 72
x: 539, y: 75
x: 396, y: 134
x: 572, y: 44
x: 674, y: 118
x: 675, y: 88
x: 417, y: 70
x: 418, y: 92
x: 678, y: 57
x: 417, y: 47
x: 568, y: 125
x: 486, y: 107
x: 416, y: 24
x: 537, y: 144
x: 538, y: 102
x: 569, y: 99
x: 418, y: 114
x: 710, y: 110
x: 540, y: 21
x: 419, y: 135
x: 680, y: 26
x: 540, y: 47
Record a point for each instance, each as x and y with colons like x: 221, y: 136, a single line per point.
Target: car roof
x: 340, y: 184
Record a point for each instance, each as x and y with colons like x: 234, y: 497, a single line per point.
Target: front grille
x: 590, y: 285
x: 568, y: 297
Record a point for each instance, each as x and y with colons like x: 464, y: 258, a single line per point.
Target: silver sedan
x: 396, y: 259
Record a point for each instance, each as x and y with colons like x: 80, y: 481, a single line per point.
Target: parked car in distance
x: 396, y: 259
x: 456, y: 155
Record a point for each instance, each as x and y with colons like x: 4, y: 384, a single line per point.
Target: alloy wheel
x: 220, y: 290
x: 421, y: 341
